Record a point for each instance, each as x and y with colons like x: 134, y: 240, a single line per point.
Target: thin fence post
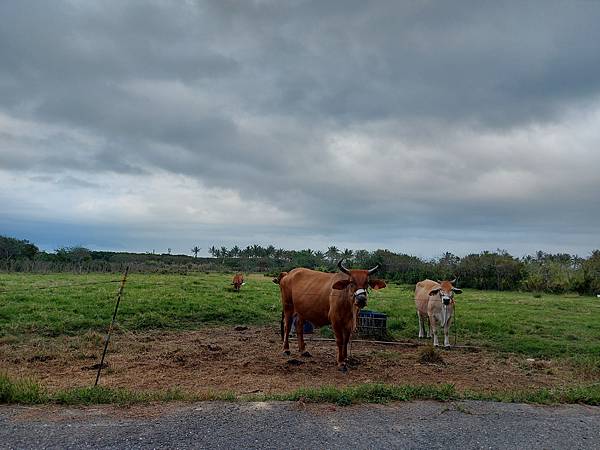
x: 110, y: 328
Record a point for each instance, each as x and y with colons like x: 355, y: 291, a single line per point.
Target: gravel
x: 279, y: 425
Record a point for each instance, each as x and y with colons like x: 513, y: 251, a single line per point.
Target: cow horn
x: 454, y: 281
x: 374, y: 269
x: 342, y: 268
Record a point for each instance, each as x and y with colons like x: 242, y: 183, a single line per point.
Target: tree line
x: 493, y: 270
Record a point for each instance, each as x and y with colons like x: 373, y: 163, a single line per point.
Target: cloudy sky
x: 418, y: 126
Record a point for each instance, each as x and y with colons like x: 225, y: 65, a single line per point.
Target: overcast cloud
x: 422, y: 127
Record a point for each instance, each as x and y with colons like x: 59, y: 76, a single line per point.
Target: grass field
x: 54, y: 305
x: 51, y: 325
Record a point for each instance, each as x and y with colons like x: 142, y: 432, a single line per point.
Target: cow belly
x: 317, y: 314
x: 311, y: 307
x: 421, y: 304
x: 317, y: 321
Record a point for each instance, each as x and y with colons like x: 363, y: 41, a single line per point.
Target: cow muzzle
x: 446, y: 300
x: 360, y: 298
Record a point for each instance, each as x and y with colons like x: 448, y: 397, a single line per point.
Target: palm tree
x: 320, y: 257
x: 224, y: 253
x: 332, y: 253
x: 347, y: 253
x: 196, y: 250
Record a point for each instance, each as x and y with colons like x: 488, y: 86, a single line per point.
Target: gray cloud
x: 423, y: 118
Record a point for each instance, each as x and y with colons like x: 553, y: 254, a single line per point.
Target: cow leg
x: 341, y: 348
x: 287, y: 326
x: 300, y: 335
x: 428, y: 327
x: 342, y: 344
x: 344, y: 357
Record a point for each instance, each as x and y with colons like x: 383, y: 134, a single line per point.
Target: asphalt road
x: 293, y: 425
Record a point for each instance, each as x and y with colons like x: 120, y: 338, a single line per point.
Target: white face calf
x: 441, y: 309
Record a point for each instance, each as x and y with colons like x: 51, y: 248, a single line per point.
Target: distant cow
x: 435, y: 302
x: 238, y: 281
x: 322, y: 299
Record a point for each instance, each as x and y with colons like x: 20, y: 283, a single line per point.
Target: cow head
x: 446, y: 291
x: 279, y: 277
x: 359, y: 282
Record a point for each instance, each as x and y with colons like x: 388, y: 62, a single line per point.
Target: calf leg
x: 447, y: 333
x: 433, y: 328
x: 421, y: 325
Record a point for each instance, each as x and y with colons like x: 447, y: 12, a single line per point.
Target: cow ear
x: 434, y: 291
x: 342, y: 284
x: 457, y: 290
x: 377, y: 284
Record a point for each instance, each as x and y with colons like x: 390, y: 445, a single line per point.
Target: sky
x: 419, y: 126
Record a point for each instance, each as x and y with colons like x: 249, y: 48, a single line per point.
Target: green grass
x: 29, y: 392
x: 54, y: 305
x: 370, y: 393
x: 66, y: 304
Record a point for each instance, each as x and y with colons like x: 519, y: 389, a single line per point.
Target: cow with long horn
x: 323, y: 299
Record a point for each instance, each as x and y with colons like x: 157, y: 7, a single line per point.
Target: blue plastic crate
x: 371, y: 323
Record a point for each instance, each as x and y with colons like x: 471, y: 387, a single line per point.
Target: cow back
x: 422, y: 291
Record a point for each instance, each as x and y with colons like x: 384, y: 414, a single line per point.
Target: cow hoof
x: 343, y: 369
x: 447, y: 345
x: 306, y: 354
x: 286, y: 353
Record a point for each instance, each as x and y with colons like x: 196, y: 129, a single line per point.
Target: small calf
x: 435, y: 302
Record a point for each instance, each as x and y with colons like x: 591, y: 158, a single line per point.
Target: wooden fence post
x: 110, y: 328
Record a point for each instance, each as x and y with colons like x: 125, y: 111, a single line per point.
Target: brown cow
x: 238, y: 281
x: 435, y: 302
x: 323, y: 299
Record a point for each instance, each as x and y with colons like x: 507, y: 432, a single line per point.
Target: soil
x: 250, y: 360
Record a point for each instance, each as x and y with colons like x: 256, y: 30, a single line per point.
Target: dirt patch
x: 250, y: 361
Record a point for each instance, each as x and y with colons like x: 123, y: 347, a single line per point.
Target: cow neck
x: 445, y: 315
